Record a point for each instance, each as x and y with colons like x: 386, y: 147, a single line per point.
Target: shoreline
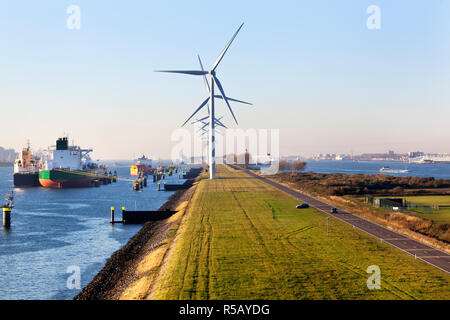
x: 118, y: 273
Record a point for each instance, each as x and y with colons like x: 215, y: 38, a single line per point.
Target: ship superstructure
x: 143, y: 166
x: 26, y: 169
x: 68, y: 166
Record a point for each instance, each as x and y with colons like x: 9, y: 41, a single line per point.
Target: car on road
x: 334, y: 210
x: 302, y: 206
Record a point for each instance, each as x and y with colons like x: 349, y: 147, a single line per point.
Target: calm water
x: 52, y: 230
x: 55, y: 229
x: 439, y: 171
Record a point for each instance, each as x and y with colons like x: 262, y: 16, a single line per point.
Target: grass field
x: 243, y: 239
x: 441, y: 215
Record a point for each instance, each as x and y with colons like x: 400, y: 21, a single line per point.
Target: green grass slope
x: 243, y: 239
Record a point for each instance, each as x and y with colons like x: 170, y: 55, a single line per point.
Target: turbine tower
x: 210, y: 99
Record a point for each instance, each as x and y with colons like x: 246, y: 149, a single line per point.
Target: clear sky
x: 312, y: 69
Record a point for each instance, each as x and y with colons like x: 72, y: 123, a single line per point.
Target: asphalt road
x: 430, y: 255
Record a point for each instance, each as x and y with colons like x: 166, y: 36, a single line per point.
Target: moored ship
x: 142, y: 166
x: 26, y: 169
x: 69, y: 167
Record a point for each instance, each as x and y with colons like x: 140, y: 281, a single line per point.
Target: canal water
x: 55, y: 232
x: 438, y: 171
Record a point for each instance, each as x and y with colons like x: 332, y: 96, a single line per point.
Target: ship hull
x: 137, y: 169
x: 59, y: 179
x: 26, y: 179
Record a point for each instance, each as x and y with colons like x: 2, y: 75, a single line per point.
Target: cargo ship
x: 143, y: 166
x: 69, y: 167
x: 26, y: 169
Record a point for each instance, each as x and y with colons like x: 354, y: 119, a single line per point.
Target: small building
x: 388, y: 202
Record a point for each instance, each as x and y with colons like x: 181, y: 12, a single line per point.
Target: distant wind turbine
x: 213, y: 81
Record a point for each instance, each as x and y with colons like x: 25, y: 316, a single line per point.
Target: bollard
x: 114, y: 179
x: 164, y: 185
x: 159, y: 186
x: 136, y: 186
x: 6, y: 217
x: 112, y: 214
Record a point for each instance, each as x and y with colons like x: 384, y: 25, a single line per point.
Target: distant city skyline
x: 313, y: 70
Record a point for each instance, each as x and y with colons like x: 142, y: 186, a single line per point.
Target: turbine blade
x: 234, y: 100
x: 201, y: 129
x: 204, y: 76
x: 194, y: 122
x: 220, y: 124
x: 204, y: 118
x: 191, y: 72
x: 225, y: 49
x: 198, y: 109
x: 219, y: 85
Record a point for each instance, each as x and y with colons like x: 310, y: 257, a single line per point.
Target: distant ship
x: 389, y: 170
x: 143, y: 165
x: 69, y: 167
x: 26, y: 169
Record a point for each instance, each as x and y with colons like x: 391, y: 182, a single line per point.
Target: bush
x: 359, y: 184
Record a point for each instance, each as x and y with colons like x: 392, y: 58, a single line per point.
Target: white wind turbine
x: 204, y: 131
x: 213, y: 81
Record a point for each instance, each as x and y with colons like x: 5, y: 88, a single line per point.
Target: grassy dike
x: 243, y: 239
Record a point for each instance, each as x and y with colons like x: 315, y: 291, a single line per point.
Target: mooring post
x: 123, y: 212
x: 159, y: 186
x: 6, y: 217
x: 112, y: 214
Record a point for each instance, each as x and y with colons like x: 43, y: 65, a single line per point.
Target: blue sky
x: 311, y: 68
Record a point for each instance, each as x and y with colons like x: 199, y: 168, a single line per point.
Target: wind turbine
x: 213, y: 81
x: 204, y: 130
x: 206, y: 123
